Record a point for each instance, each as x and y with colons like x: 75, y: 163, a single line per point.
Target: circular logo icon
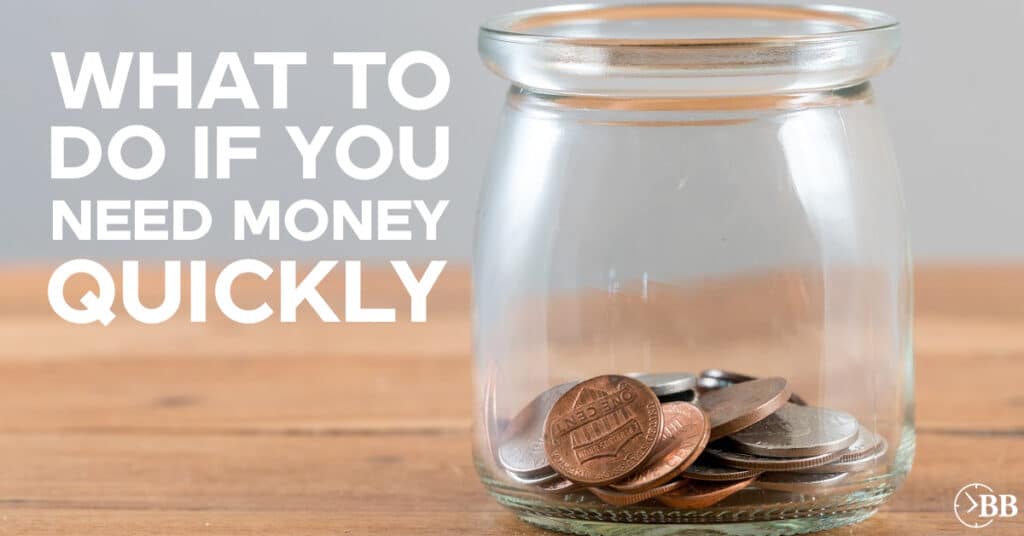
x: 967, y: 506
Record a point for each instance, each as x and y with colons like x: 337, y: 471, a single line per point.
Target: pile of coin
x: 683, y: 440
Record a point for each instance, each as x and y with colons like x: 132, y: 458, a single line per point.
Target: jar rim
x: 676, y: 48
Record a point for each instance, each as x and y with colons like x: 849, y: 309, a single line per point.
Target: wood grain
x: 333, y: 429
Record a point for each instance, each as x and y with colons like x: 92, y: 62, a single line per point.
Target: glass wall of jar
x: 702, y: 189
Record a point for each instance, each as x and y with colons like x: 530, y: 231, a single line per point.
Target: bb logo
x: 977, y: 506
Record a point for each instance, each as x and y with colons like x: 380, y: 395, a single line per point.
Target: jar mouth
x: 679, y: 49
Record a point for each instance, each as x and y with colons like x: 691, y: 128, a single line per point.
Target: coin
x: 522, y: 447
x: 697, y: 494
x: 797, y: 431
x: 682, y: 396
x: 710, y: 384
x: 682, y: 440
x: 602, y: 429
x: 718, y: 378
x: 726, y: 376
x: 491, y: 430
x: 853, y: 465
x: 619, y: 498
x: 561, y: 486
x: 740, y: 405
x: 536, y: 481
x: 717, y: 473
x: 867, y: 444
x: 667, y: 383
x: 764, y: 463
x: 799, y: 482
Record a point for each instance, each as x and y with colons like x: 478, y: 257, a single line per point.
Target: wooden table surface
x: 358, y: 429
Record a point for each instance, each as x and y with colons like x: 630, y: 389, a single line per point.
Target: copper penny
x: 697, y: 494
x: 718, y: 378
x: 619, y: 498
x: 521, y: 449
x: 683, y: 439
x: 740, y: 405
x: 701, y: 470
x: 797, y: 431
x: 764, y: 463
x: 602, y: 429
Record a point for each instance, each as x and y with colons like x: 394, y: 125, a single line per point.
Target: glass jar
x: 681, y: 187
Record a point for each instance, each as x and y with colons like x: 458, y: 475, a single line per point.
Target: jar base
x: 783, y: 527
x: 789, y: 514
x: 751, y: 511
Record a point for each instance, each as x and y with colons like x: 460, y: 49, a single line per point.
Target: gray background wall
x: 953, y: 101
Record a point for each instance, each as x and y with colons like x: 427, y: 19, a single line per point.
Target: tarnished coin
x: 521, y: 449
x: 619, y: 498
x: 667, y: 383
x: 848, y: 464
x: 764, y: 463
x: 740, y: 405
x: 718, y: 378
x: 698, y: 494
x: 799, y: 482
x: 602, y: 429
x: 798, y: 431
x: 717, y: 473
x: 682, y: 440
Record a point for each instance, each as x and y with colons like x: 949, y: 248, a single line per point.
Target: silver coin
x: 717, y: 473
x: 535, y: 481
x: 797, y: 431
x: 765, y: 463
x: 726, y: 376
x: 799, y: 482
x: 867, y: 444
x: 863, y: 463
x: 561, y: 486
x: 710, y: 384
x: 521, y: 449
x: 667, y: 383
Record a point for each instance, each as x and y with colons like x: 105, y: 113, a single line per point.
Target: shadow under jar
x: 683, y: 187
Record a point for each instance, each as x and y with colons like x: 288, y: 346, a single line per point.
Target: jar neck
x: 861, y: 92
